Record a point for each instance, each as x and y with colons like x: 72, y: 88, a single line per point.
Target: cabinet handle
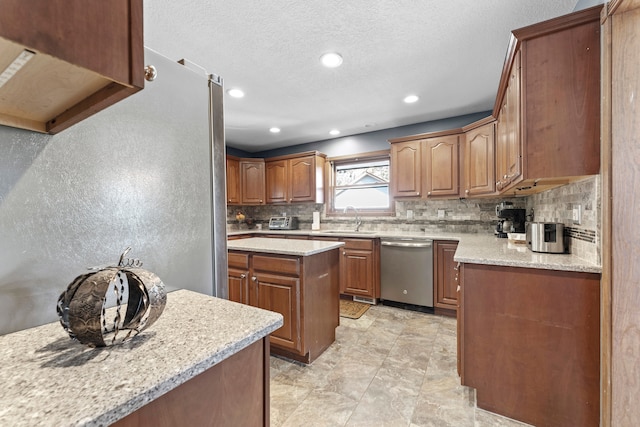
x: 242, y: 276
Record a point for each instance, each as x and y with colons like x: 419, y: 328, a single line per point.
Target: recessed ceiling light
x: 334, y: 132
x: 236, y: 93
x: 274, y: 130
x: 410, y: 99
x: 331, y: 59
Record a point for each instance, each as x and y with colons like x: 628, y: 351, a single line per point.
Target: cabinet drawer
x: 361, y: 244
x: 238, y: 260
x: 290, y: 266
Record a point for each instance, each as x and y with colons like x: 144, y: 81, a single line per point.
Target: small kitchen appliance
x: 283, y: 223
x: 546, y: 237
x: 511, y: 219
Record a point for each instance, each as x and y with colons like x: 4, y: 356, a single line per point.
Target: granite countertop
x: 48, y: 379
x: 473, y: 248
x: 282, y: 246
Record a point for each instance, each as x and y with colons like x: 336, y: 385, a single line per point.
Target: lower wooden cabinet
x: 530, y: 343
x: 445, y: 277
x: 304, y: 289
x: 357, y: 268
x: 235, y: 392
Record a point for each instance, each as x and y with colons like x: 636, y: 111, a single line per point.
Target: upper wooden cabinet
x: 548, y: 104
x: 295, y: 178
x: 426, y: 166
x: 441, y: 166
x: 71, y: 59
x: 509, y: 141
x: 252, y: 181
x: 479, y: 160
x: 233, y: 181
x: 406, y: 169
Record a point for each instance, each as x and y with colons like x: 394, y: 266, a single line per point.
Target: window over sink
x: 360, y: 181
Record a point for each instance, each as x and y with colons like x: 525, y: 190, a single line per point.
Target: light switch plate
x: 409, y: 214
x: 441, y: 213
x: 577, y: 214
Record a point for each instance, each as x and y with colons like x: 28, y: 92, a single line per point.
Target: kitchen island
x: 205, y: 361
x: 296, y: 278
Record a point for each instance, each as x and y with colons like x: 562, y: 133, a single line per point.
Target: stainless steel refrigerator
x: 148, y: 172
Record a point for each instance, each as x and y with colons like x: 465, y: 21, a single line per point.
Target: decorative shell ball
x: 111, y: 304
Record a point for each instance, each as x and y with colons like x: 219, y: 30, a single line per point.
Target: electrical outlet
x: 577, y: 214
x: 409, y: 214
x: 441, y: 213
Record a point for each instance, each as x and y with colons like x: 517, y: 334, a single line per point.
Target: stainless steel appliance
x: 406, y: 274
x: 546, y: 237
x: 283, y: 223
x: 147, y: 172
x: 512, y: 220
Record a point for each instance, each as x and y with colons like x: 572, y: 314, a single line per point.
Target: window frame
x: 352, y: 159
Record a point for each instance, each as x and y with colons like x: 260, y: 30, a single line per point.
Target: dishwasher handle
x: 407, y: 244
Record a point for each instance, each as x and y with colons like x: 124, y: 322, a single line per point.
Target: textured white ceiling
x: 450, y: 53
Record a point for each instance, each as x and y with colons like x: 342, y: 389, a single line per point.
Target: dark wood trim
x: 380, y: 154
x: 605, y: 170
x: 479, y: 123
x: 295, y: 155
x: 426, y: 135
x: 557, y: 24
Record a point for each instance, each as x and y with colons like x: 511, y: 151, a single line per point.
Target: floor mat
x: 352, y: 309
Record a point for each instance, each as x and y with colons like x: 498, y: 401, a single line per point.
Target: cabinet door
x: 302, y: 179
x: 238, y: 285
x: 406, y: 175
x: 276, y: 174
x: 252, y: 182
x: 479, y: 161
x: 282, y: 295
x: 514, y: 146
x: 446, y: 285
x: 356, y: 273
x: 441, y: 165
x: 233, y: 181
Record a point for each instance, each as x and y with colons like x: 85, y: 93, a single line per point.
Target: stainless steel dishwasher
x: 406, y: 274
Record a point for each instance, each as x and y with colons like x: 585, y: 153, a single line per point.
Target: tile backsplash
x: 557, y: 205
x: 457, y: 216
x: 460, y: 215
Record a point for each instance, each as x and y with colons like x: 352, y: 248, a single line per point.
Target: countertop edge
x: 182, y: 377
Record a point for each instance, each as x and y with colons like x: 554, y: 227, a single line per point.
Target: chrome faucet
x: 358, y: 221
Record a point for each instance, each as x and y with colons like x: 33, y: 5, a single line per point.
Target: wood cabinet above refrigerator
x: 64, y: 60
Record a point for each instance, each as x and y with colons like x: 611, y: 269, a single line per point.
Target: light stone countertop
x: 282, y: 246
x: 473, y: 248
x: 49, y: 380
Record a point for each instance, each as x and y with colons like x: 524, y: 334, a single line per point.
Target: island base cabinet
x: 235, y: 392
x: 304, y: 289
x: 531, y: 343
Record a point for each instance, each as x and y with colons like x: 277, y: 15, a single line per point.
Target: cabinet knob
x: 242, y: 276
x: 344, y: 253
x: 467, y: 191
x: 458, y: 289
x: 505, y: 176
x: 428, y: 193
x: 254, y: 278
x: 418, y: 193
x: 260, y: 200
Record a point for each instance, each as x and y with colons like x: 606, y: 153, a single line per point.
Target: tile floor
x: 391, y: 367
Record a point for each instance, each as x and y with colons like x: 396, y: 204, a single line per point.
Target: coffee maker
x: 511, y: 219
